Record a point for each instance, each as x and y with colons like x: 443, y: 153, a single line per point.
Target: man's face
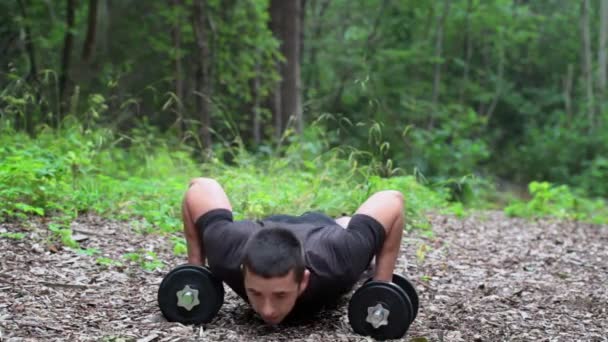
x: 273, y: 298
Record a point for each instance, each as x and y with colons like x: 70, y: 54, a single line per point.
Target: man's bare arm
x: 202, y: 196
x: 387, y: 208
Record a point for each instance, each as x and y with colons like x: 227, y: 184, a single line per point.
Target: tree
x: 203, y: 70
x: 316, y: 21
x: 176, y: 37
x: 286, y: 26
x: 587, y: 60
x: 438, y: 48
x: 33, y: 74
x: 66, y: 56
x: 89, y: 42
x: 468, y: 50
x: 601, y: 53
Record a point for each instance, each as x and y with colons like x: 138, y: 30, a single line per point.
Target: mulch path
x: 483, y: 278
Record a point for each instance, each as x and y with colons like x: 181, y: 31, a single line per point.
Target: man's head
x: 274, y: 272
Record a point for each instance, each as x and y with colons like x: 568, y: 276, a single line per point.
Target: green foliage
x: 88, y: 251
x: 14, y: 236
x: 507, y: 61
x: 454, y: 148
x: 312, y: 176
x: 147, y: 260
x: 561, y: 202
x: 560, y: 152
x: 509, y: 102
x: 418, y: 198
x: 594, y: 179
x: 457, y: 209
x: 108, y: 262
x: 64, y: 173
x: 64, y: 234
x: 76, y: 170
x: 179, y: 245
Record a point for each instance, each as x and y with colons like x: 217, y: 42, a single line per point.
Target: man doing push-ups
x: 287, y: 266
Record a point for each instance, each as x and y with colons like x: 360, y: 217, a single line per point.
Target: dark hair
x: 273, y: 252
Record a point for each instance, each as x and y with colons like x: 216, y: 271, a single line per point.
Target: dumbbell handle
x: 377, y: 316
x: 187, y: 298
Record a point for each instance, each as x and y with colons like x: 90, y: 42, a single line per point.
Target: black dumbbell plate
x: 409, y: 289
x: 210, y: 294
x: 392, y: 298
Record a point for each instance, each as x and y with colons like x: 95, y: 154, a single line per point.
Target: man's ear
x: 304, y: 282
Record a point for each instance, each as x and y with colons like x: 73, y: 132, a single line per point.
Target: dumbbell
x: 383, y: 310
x: 190, y: 294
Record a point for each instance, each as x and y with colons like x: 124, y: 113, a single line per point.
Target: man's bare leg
x: 387, y: 208
x: 202, y: 196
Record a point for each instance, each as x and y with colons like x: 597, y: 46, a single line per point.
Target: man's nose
x: 267, y: 309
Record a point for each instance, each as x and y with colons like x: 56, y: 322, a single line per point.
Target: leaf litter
x: 486, y: 277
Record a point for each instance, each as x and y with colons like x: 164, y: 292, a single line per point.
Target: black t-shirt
x: 334, y: 256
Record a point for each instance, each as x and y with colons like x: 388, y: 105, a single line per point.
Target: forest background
x: 111, y: 106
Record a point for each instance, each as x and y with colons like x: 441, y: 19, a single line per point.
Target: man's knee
x: 203, y: 187
x: 394, y: 196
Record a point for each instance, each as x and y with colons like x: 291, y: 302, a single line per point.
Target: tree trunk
x: 203, y: 79
x: 568, y: 92
x: 257, y: 119
x: 254, y: 83
x: 274, y: 100
x: 499, y: 80
x: 438, y: 48
x: 587, y: 60
x: 438, y: 64
x: 29, y: 120
x: 68, y: 41
x: 89, y: 42
x: 291, y: 101
x: 179, y: 81
x: 468, y: 48
x: 302, y: 30
x: 601, y: 56
x: 286, y: 25
x: 50, y: 6
x: 104, y: 27
x: 371, y: 37
x: 317, y: 29
x: 369, y: 49
x: 29, y: 45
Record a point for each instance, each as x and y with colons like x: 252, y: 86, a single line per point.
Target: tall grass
x: 63, y: 173
x: 81, y: 167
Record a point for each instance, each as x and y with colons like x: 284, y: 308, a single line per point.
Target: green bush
x: 63, y: 173
x: 453, y: 148
x: 595, y: 177
x: 564, y: 152
x: 550, y: 200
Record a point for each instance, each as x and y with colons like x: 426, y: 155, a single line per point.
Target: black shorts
x: 336, y: 257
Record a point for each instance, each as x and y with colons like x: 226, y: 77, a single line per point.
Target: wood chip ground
x: 483, y: 278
